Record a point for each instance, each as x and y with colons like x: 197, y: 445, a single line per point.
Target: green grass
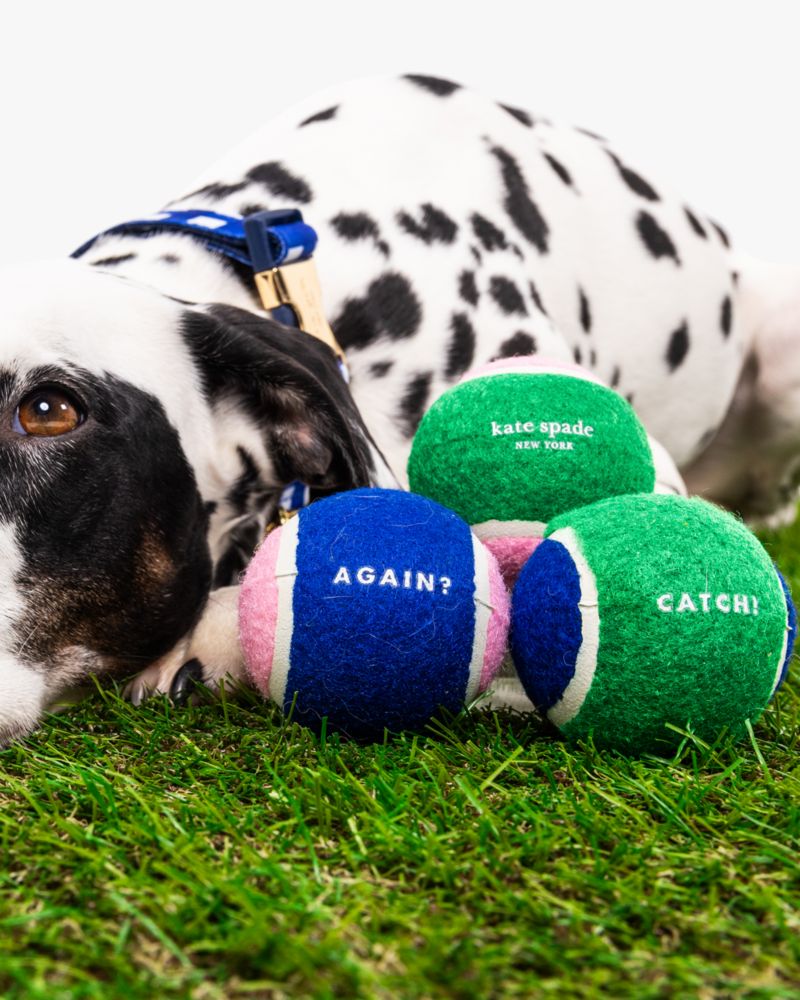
x: 217, y: 852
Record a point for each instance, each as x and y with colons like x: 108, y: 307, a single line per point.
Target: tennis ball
x: 643, y: 612
x: 521, y: 440
x: 374, y: 608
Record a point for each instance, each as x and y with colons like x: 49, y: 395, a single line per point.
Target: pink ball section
x: 499, y: 622
x: 510, y: 366
x: 511, y: 554
x: 258, y: 612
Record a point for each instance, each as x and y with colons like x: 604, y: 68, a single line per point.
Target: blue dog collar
x: 278, y: 246
x: 261, y: 241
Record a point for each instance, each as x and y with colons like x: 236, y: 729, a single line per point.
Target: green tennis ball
x: 639, y: 613
x: 520, y: 441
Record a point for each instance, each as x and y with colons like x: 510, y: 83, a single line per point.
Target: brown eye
x: 47, y: 412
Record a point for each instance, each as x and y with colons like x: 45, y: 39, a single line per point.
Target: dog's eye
x: 47, y: 412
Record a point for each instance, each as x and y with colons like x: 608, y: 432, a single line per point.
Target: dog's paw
x: 208, y: 656
x: 158, y: 677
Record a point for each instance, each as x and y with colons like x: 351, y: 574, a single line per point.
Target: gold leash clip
x: 297, y: 286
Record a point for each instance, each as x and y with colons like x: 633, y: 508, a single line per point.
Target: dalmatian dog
x: 152, y: 410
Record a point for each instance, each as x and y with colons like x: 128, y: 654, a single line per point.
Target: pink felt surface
x: 511, y: 554
x: 497, y: 631
x: 528, y: 364
x: 258, y: 612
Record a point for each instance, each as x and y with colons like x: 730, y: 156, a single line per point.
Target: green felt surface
x: 483, y: 451
x: 706, y: 671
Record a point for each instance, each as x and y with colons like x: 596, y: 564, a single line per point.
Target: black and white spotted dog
x: 151, y: 411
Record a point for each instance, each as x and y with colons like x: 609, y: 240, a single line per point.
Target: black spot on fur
x: 414, y: 401
x: 476, y: 254
x: 280, y: 182
x: 592, y: 358
x: 217, y: 190
x: 461, y: 349
x: 629, y: 397
x: 380, y: 368
x: 721, y: 233
x: 433, y: 84
x: 435, y: 227
x: 592, y: 135
x: 726, y: 316
x: 695, y: 223
x: 519, y: 345
x: 735, y: 278
x: 467, y: 288
x: 585, y: 313
x: 559, y: 168
x: 678, y: 346
x: 521, y: 208
x: 388, y: 309
x: 616, y: 375
x: 635, y: 181
x: 490, y: 237
x: 320, y: 116
x: 355, y: 226
x: 170, y: 258
x: 657, y: 241
x: 523, y: 117
x: 507, y: 296
x: 359, y: 226
x: 251, y: 207
x: 537, y: 299
x: 576, y: 353
x: 120, y: 258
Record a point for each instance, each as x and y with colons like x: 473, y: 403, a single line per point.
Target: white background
x: 109, y: 109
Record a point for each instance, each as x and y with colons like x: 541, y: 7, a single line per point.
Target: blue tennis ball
x: 374, y: 609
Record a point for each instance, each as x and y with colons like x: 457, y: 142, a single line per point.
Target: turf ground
x: 217, y: 852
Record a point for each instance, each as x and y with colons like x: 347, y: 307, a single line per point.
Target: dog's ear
x: 291, y: 385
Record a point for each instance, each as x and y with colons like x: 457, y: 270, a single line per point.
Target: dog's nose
x: 187, y: 679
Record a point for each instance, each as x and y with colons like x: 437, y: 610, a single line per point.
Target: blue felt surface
x: 546, y: 623
x: 371, y: 656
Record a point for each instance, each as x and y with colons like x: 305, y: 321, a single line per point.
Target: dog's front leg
x: 209, y: 655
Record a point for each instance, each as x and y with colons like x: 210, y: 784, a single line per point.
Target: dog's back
x: 454, y: 229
